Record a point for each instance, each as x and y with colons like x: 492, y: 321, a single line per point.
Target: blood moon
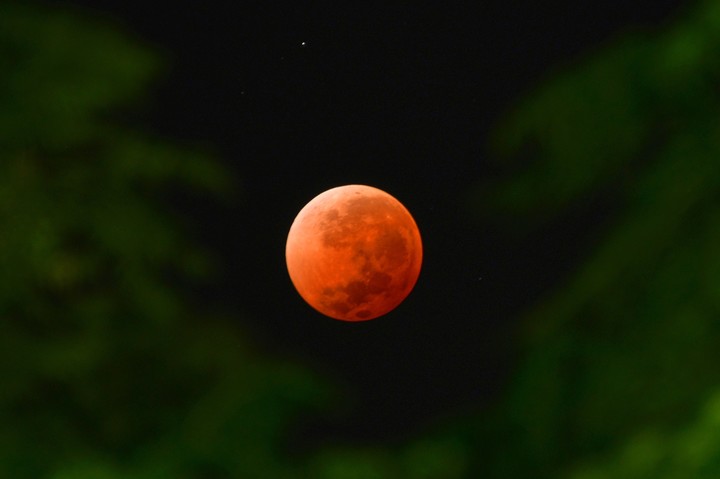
x: 354, y: 253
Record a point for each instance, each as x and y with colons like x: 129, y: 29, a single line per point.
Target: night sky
x: 299, y: 97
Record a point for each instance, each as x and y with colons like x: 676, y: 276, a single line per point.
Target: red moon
x: 354, y: 253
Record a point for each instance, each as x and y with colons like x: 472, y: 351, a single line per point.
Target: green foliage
x: 425, y: 458
x: 108, y: 371
x: 693, y: 451
x: 629, y: 344
x: 58, y: 79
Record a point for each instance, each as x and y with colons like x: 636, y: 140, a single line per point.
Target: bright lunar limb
x: 354, y: 253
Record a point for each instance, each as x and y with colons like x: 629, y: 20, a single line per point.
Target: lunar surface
x: 354, y: 253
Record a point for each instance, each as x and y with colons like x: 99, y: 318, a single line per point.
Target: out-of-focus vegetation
x: 109, y: 370
x: 620, y: 369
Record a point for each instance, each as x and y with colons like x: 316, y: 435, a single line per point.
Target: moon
x: 354, y: 253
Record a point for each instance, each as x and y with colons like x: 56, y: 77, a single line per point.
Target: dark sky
x: 300, y: 97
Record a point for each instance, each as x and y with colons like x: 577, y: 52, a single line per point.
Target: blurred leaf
x: 353, y: 464
x: 104, y: 360
x: 58, y: 76
x: 444, y: 458
x: 627, y: 345
x: 690, y: 452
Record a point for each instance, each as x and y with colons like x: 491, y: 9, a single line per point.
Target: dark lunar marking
x: 338, y: 231
x: 331, y: 215
x: 359, y: 292
x: 340, y: 306
x: 379, y: 282
x: 360, y: 213
x: 392, y: 245
x: 362, y: 314
x: 360, y: 256
x: 332, y: 229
